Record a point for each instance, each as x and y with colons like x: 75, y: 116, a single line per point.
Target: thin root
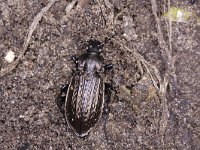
x: 32, y: 28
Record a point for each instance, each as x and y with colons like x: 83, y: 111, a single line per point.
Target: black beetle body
x: 193, y: 1
x: 84, y: 99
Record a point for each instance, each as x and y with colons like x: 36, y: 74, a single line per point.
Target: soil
x: 29, y: 116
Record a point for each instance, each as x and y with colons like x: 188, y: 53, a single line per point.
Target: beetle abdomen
x: 84, y: 103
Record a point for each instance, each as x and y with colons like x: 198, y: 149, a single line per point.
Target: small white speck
x: 179, y: 15
x: 10, y: 56
x: 21, y: 116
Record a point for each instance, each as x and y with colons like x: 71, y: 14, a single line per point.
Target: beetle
x: 84, y: 99
x: 193, y: 1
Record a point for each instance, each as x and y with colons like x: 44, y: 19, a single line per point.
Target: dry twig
x: 32, y: 28
x: 170, y: 60
x: 151, y: 69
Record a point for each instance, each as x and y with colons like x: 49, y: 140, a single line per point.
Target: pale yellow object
x: 180, y: 15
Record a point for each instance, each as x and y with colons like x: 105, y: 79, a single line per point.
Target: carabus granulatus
x: 193, y: 1
x: 82, y: 100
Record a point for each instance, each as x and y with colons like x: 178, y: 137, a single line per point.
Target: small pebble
x: 10, y: 56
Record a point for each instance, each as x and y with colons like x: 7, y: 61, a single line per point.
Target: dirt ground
x: 141, y: 116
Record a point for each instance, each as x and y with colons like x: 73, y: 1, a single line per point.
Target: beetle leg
x: 108, y: 92
x: 74, y: 59
x: 60, y: 99
x: 193, y: 1
x: 108, y: 67
x: 106, y: 110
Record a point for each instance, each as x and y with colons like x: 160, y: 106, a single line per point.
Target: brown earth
x: 29, y: 117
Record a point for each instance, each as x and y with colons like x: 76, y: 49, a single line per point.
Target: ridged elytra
x: 83, y: 99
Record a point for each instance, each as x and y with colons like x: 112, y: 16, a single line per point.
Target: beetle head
x: 94, y: 46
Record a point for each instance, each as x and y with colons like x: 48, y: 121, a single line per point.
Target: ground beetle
x: 193, y: 1
x: 83, y: 99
